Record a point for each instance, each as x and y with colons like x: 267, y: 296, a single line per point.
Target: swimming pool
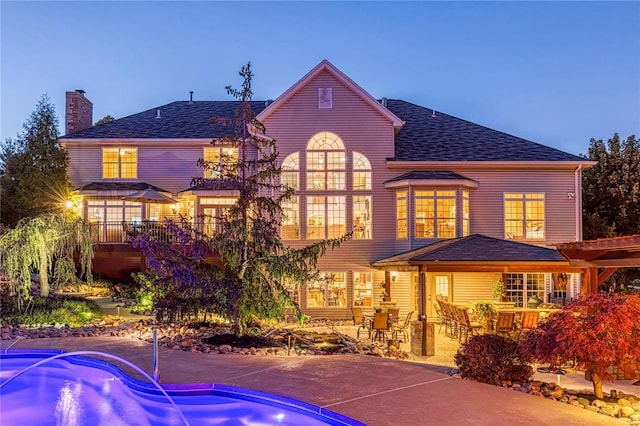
x: 78, y: 390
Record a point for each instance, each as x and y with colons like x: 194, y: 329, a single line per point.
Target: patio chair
x: 439, y: 314
x: 402, y: 328
x: 360, y: 320
x: 466, y: 326
x: 505, y: 323
x: 129, y: 231
x: 380, y: 326
x: 529, y: 321
x: 394, y: 315
x: 451, y: 327
x: 455, y: 320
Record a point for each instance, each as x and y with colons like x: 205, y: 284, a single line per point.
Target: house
x: 438, y: 206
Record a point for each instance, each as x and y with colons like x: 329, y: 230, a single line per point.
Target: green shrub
x: 73, y: 311
x: 493, y: 359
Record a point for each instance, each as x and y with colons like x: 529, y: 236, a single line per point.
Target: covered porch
x: 465, y: 270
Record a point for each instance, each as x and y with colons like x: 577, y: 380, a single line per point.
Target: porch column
x: 422, y: 314
x: 387, y: 284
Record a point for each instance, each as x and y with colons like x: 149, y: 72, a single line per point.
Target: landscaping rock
x: 224, y: 349
x: 624, y: 402
x: 584, y: 402
x: 598, y: 403
x: 626, y: 411
x: 610, y: 410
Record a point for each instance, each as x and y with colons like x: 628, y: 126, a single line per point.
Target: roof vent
x: 268, y: 102
x: 433, y: 113
x: 383, y: 101
x: 190, y: 97
x: 158, y: 116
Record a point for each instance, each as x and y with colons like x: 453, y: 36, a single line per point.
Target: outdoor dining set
x: 381, y: 326
x: 512, y: 322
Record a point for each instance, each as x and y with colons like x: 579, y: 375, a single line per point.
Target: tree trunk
x: 44, y: 269
x: 597, y: 385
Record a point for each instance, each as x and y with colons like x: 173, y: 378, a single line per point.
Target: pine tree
x: 33, y: 168
x: 249, y: 281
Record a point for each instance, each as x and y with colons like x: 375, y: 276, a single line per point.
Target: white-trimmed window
x: 520, y: 287
x: 435, y: 214
x: 120, y: 163
x: 465, y: 214
x: 363, y: 289
x: 290, y: 175
x: 107, y: 216
x: 290, y: 228
x: 362, y: 217
x: 328, y: 291
x: 401, y: 215
x: 292, y: 288
x: 524, y: 217
x: 213, y: 209
x: 326, y: 162
x: 326, y: 217
x: 361, y: 172
x: 220, y: 161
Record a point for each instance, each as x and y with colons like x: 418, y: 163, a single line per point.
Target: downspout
x: 578, y: 198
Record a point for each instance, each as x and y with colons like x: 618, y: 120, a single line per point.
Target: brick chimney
x: 79, y: 112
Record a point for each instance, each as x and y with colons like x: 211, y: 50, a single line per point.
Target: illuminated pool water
x: 77, y: 390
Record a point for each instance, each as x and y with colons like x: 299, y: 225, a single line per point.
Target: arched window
x: 291, y: 207
x: 361, y: 172
x: 326, y: 162
x: 290, y: 171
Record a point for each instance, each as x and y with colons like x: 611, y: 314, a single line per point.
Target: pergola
x: 608, y: 254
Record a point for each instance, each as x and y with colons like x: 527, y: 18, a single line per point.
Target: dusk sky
x: 557, y: 73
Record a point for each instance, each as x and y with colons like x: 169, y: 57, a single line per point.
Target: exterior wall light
x: 394, y: 275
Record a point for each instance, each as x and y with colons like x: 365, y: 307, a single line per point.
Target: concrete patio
x: 374, y: 390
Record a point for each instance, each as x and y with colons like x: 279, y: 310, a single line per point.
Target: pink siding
x: 362, y: 129
x: 168, y: 167
x: 366, y: 130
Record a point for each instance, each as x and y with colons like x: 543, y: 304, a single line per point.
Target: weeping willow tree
x: 46, y: 245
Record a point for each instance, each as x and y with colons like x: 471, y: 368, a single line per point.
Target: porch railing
x: 126, y: 232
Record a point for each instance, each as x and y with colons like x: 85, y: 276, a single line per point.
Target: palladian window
x: 326, y: 217
x: 361, y: 172
x: 362, y: 217
x: 290, y: 171
x: 326, y: 162
x: 290, y: 228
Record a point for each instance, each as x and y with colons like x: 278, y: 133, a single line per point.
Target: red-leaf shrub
x: 598, y: 332
x: 493, y: 359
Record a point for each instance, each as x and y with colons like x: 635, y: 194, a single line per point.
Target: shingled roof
x: 429, y: 175
x: 426, y: 136
x: 178, y: 120
x: 119, y: 186
x: 430, y: 135
x: 475, y: 248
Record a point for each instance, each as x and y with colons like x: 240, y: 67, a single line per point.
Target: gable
x: 329, y: 93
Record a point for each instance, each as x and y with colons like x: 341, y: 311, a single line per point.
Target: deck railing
x: 126, y: 232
